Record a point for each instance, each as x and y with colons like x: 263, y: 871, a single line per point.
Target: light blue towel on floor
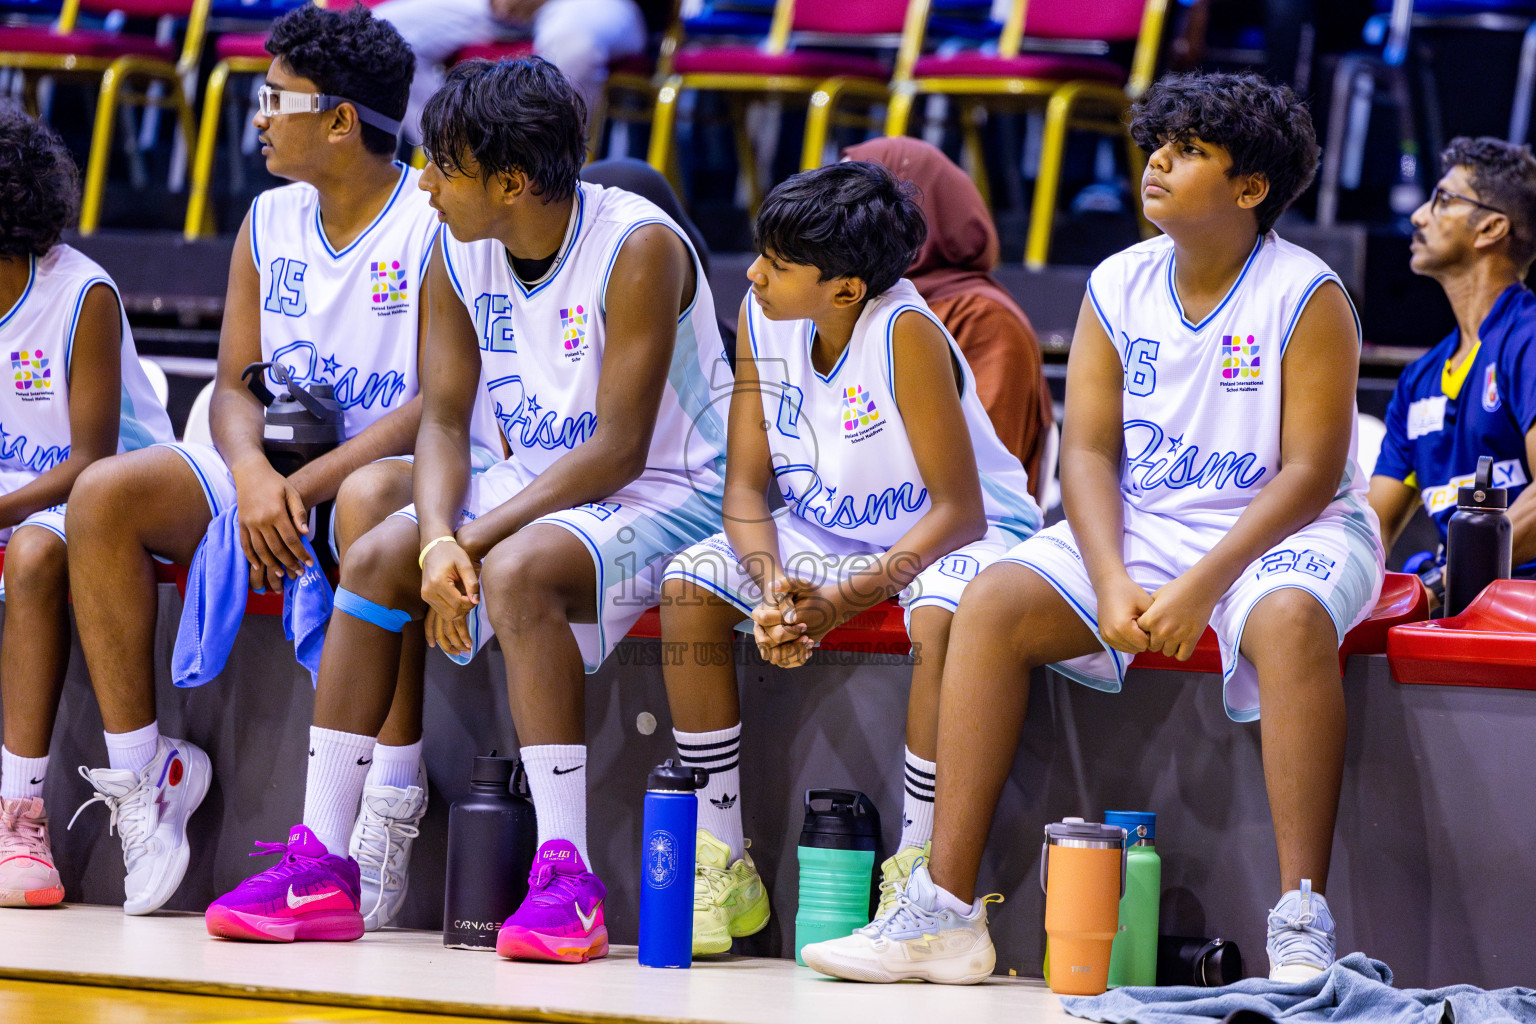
x: 1355, y: 990
x: 217, y: 586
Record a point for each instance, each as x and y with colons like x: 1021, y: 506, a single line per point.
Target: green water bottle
x: 837, y: 865
x: 1133, y: 958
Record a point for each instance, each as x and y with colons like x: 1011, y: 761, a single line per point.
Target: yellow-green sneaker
x: 729, y: 900
x: 895, y: 872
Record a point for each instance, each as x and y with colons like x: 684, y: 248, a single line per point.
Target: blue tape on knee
x: 359, y: 607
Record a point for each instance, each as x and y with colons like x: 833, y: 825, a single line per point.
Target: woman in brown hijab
x: 953, y: 271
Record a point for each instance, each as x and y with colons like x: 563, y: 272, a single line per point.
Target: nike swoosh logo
x: 36, y: 782
x: 589, y: 916
x: 295, y: 902
x: 365, y: 760
x: 567, y: 771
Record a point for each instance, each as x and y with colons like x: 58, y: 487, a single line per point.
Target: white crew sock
x: 333, y: 786
x: 718, y: 753
x: 21, y: 777
x: 395, y: 766
x: 557, y: 778
x: 131, y: 751
x: 917, y: 802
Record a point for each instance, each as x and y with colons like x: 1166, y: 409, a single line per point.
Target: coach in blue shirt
x: 1474, y: 393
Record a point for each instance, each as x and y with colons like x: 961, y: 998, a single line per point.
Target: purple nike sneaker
x: 561, y: 918
x: 309, y: 895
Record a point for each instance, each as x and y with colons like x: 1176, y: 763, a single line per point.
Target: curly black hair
x: 853, y: 219
x: 1504, y: 176
x: 509, y: 115
x: 349, y: 53
x: 39, y: 185
x: 1265, y: 127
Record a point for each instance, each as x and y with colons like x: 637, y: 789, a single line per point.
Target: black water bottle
x: 1478, y: 541
x: 491, y: 840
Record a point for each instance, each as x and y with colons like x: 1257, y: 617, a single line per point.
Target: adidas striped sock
x: 917, y: 804
x: 718, y: 753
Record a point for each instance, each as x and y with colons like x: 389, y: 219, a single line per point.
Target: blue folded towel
x: 217, y: 586
x: 1355, y: 990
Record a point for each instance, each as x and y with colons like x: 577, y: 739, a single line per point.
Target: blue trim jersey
x: 349, y: 318
x: 542, y: 345
x: 841, y: 453
x: 1434, y: 439
x: 38, y: 332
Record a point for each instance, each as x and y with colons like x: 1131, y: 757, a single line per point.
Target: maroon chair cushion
x: 749, y: 60
x: 1048, y: 66
x: 497, y: 50
x: 29, y: 39
x: 241, y: 44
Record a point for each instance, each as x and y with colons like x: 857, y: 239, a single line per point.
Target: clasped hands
x: 450, y: 584
x: 793, y: 617
x: 1169, y: 620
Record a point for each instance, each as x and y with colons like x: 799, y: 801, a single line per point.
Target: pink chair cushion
x: 749, y: 60
x: 851, y: 17
x: 140, y: 8
x: 1073, y: 19
x: 27, y: 39
x: 498, y: 50
x: 241, y: 44
x: 1048, y: 66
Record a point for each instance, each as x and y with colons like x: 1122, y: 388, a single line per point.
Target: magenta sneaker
x: 561, y: 918
x: 309, y: 895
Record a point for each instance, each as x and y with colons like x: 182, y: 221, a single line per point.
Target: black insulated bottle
x: 1478, y: 541
x: 491, y: 840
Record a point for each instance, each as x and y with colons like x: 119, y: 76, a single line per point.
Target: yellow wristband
x: 421, y: 560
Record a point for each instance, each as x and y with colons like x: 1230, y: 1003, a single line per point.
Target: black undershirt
x: 529, y: 271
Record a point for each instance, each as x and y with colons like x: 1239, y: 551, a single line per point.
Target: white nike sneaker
x: 381, y: 845
x: 150, y: 809
x: 1300, y: 941
x: 916, y: 939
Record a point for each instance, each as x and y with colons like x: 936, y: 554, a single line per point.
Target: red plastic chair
x: 114, y: 58
x: 1491, y: 643
x: 782, y: 65
x: 1403, y: 599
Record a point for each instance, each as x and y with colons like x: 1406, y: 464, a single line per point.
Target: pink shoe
x: 561, y: 918
x: 27, y: 875
x: 309, y: 895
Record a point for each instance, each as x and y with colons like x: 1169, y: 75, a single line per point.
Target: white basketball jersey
x: 839, y: 446
x: 1202, y: 401
x: 39, y: 334
x: 348, y: 318
x: 542, y: 344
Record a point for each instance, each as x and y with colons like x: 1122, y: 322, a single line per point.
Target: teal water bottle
x: 837, y: 865
x: 1133, y: 958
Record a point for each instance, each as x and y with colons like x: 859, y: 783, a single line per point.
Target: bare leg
x: 32, y: 665
x: 930, y: 642
x: 362, y: 661
x: 122, y: 511
x: 701, y: 684
x: 1291, y: 640
x: 1010, y: 623
x: 535, y: 584
x: 366, y: 498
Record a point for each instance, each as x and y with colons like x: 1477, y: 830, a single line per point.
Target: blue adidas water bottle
x: 666, y: 867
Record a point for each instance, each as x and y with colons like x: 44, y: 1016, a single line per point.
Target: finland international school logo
x: 32, y: 374
x: 1491, y: 389
x: 860, y: 417
x: 388, y: 286
x: 573, y: 332
x: 1240, y: 368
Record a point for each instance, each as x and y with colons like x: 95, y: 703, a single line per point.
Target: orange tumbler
x: 1082, y: 870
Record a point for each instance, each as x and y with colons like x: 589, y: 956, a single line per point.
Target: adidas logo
x: 725, y: 803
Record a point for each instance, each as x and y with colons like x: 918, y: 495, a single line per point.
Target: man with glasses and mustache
x: 1474, y: 393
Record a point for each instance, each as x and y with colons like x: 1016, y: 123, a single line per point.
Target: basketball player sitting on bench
x: 854, y: 402
x: 1208, y: 477
x: 586, y: 311
x: 313, y: 285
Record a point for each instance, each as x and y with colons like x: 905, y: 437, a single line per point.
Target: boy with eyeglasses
x: 326, y: 279
x: 1474, y: 393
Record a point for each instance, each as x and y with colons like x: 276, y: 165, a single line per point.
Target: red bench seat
x: 1491, y: 643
